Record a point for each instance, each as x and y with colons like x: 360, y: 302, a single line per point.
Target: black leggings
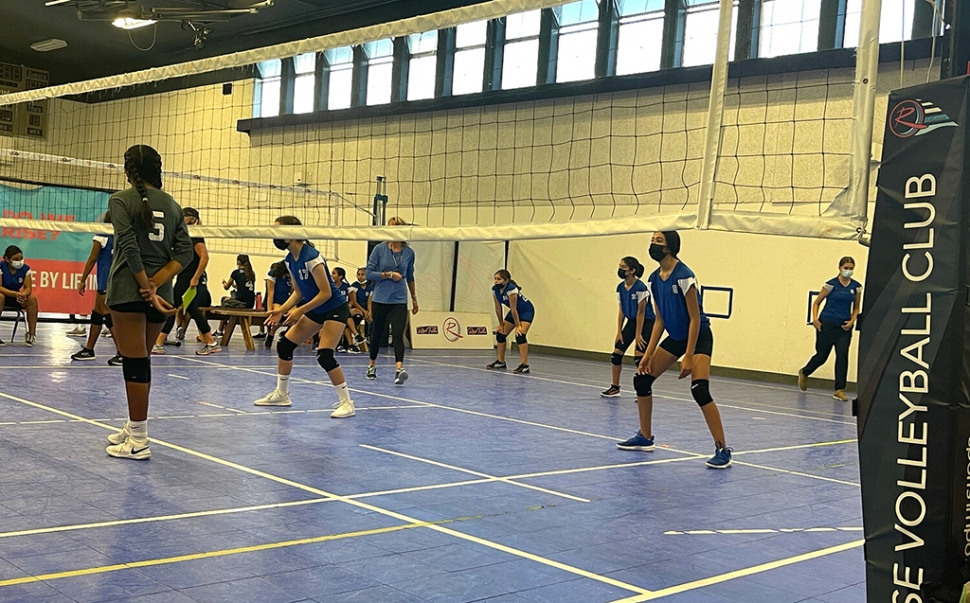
x: 831, y: 335
x: 395, y: 316
x: 181, y: 286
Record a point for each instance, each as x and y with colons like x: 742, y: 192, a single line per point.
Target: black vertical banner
x: 914, y: 409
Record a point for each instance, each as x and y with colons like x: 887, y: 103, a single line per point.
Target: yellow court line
x: 504, y: 480
x: 373, y: 508
x: 797, y: 447
x: 799, y: 473
x: 749, y: 571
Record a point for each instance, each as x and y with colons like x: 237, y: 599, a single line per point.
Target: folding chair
x: 20, y: 316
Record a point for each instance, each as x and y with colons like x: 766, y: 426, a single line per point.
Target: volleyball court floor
x: 462, y: 485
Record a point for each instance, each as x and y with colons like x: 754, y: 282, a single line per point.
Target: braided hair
x: 144, y: 164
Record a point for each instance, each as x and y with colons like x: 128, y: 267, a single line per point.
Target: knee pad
x: 521, y: 340
x: 108, y: 322
x: 644, y: 384
x: 616, y: 359
x: 701, y: 390
x: 136, y: 370
x: 284, y: 349
x: 501, y: 337
x: 326, y: 360
x: 637, y: 359
x: 97, y: 319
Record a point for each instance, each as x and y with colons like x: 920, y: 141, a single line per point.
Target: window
x: 520, y: 64
x: 304, y: 94
x: 578, y: 25
x: 895, y: 24
x: 267, y: 93
x: 789, y: 27
x: 469, y: 57
x: 422, y: 66
x: 380, y: 64
x: 641, y: 36
x: 340, y: 65
x: 700, y: 32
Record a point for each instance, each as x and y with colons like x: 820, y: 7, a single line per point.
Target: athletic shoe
x: 129, y: 449
x: 372, y: 372
x: 173, y: 342
x: 84, y: 354
x: 274, y: 398
x: 612, y: 391
x: 637, y: 442
x: 217, y: 333
x: 497, y: 366
x: 840, y: 395
x: 158, y: 350
x: 522, y: 369
x: 106, y: 333
x: 29, y: 340
x: 119, y: 437
x: 354, y: 349
x: 340, y: 349
x: 208, y: 349
x: 78, y: 331
x: 345, y: 410
x: 259, y: 336
x: 400, y: 377
x: 359, y: 340
x: 269, y: 342
x: 2, y: 342
x: 802, y: 380
x: 180, y: 334
x: 721, y: 459
x: 116, y: 361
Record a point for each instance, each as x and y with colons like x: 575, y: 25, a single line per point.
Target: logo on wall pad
x: 452, y: 329
x: 477, y: 331
x: 427, y: 330
x: 915, y: 117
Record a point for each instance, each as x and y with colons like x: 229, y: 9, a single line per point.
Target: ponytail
x: 633, y: 264
x: 247, y: 268
x: 144, y: 164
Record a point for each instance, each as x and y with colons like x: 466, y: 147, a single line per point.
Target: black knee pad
x: 616, y: 359
x: 501, y: 338
x: 108, y: 322
x: 701, y: 390
x: 97, y: 318
x: 520, y: 339
x: 136, y: 370
x: 284, y: 349
x: 326, y: 360
x: 644, y: 384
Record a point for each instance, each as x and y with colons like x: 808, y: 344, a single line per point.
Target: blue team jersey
x: 362, y: 291
x: 345, y: 289
x: 630, y: 299
x: 104, y: 259
x: 14, y: 280
x: 302, y: 270
x: 522, y: 306
x: 668, y: 295
x: 838, y: 302
x: 282, y: 287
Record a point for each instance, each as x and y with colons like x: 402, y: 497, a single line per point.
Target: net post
x: 863, y: 108
x: 715, y: 115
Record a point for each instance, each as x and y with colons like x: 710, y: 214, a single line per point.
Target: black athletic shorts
x: 141, y: 307
x: 339, y: 314
x: 629, y: 335
x: 678, y: 347
x: 102, y: 291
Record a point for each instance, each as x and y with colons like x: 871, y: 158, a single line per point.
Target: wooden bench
x: 236, y: 316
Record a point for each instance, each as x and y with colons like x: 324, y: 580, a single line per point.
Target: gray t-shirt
x: 137, y: 249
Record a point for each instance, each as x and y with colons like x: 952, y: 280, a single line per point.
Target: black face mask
x: 657, y: 252
x: 621, y: 273
x: 281, y: 244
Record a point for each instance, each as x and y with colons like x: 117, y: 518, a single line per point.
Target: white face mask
x: 17, y: 265
x: 847, y: 273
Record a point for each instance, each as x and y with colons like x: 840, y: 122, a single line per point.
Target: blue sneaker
x: 721, y: 459
x: 637, y: 442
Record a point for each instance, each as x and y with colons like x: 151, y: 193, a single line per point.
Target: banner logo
x: 426, y: 330
x: 477, y: 330
x: 452, y: 329
x: 914, y: 117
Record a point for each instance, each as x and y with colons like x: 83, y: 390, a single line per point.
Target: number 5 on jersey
x: 158, y: 233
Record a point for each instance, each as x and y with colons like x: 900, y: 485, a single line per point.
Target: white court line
x: 179, y: 377
x: 476, y: 473
x: 790, y: 472
x: 758, y: 531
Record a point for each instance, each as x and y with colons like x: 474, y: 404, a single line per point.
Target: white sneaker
x: 345, y: 410
x: 130, y: 449
x: 208, y: 349
x: 158, y: 350
x: 274, y: 398
x: 78, y: 331
x: 118, y: 438
x: 29, y: 340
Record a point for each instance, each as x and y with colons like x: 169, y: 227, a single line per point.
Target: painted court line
x: 799, y: 473
x: 758, y: 531
x: 373, y: 508
x: 477, y: 473
x: 178, y: 377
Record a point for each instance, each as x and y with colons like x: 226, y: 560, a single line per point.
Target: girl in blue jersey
x: 519, y: 319
x: 350, y: 339
x: 323, y: 306
x: 278, y: 289
x: 833, y: 327
x: 17, y: 287
x: 635, y: 320
x: 680, y: 312
x: 359, y: 298
x: 102, y: 252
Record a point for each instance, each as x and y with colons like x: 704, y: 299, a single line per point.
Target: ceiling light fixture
x: 129, y: 23
x: 56, y: 2
x: 48, y: 45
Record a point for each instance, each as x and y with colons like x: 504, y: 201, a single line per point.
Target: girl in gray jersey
x: 152, y: 245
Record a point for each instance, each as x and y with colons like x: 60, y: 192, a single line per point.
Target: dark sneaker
x: 721, y: 459
x: 372, y: 372
x: 612, y: 392
x: 637, y: 442
x: 522, y: 369
x: 400, y: 377
x: 116, y: 361
x: 497, y: 366
x: 84, y: 354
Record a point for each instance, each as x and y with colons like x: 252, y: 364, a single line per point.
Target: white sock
x: 138, y: 429
x: 283, y: 383
x: 343, y: 392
